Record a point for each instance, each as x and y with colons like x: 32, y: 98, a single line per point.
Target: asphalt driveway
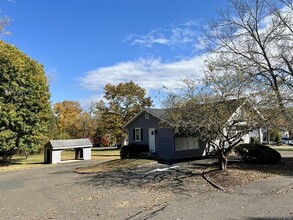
x: 150, y: 192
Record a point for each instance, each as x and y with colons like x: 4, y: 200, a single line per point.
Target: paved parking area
x: 142, y: 193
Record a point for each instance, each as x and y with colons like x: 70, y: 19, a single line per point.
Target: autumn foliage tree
x: 123, y: 102
x: 74, y: 122
x: 67, y: 115
x: 24, y: 102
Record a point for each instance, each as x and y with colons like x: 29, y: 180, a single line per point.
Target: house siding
x: 165, y: 146
x: 164, y: 137
x: 144, y: 124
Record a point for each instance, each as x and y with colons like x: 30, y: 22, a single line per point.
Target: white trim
x: 73, y: 147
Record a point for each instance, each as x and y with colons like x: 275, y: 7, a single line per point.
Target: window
x: 147, y: 115
x: 137, y: 134
x: 186, y: 143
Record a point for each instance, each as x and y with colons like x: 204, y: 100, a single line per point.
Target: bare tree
x: 4, y: 22
x: 218, y: 119
x: 252, y: 42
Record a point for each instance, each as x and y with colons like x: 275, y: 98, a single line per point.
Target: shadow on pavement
x: 175, y: 179
x: 181, y: 178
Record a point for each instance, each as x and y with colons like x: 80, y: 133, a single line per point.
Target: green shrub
x: 275, y: 135
x: 257, y: 153
x: 132, y: 150
x: 6, y: 156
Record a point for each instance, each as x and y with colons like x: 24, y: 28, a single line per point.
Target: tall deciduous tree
x: 252, y: 42
x: 73, y: 121
x: 124, y: 101
x: 24, y: 102
x: 67, y: 115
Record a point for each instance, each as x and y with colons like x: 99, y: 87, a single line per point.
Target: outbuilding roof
x: 69, y: 143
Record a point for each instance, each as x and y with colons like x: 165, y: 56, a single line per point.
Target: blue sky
x: 85, y: 44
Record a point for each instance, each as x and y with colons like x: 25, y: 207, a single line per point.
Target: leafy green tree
x: 275, y: 135
x: 24, y: 102
x: 124, y: 101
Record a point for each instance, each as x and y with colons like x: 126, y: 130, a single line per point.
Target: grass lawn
x: 34, y: 161
x: 283, y: 148
x: 96, y: 154
x: 20, y: 163
x: 105, y: 153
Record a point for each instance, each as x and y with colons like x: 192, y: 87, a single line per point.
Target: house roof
x: 69, y: 143
x: 161, y: 114
x: 158, y: 113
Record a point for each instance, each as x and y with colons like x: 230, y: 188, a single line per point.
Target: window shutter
x: 134, y: 134
x: 141, y: 134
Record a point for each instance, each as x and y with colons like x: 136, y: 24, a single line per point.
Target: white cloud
x: 151, y: 74
x: 179, y: 35
x: 191, y: 23
x: 85, y: 103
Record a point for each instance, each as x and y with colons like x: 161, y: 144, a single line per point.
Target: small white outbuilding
x: 53, y: 149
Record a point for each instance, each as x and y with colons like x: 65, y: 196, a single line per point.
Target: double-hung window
x: 137, y: 134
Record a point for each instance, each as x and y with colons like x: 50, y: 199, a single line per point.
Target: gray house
x: 146, y: 129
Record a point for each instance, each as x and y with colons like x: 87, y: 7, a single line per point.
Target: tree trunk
x: 282, y: 105
x: 223, y: 160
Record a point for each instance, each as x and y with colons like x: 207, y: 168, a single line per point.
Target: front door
x: 152, y: 142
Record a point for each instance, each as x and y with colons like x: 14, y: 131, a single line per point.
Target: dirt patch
x: 239, y: 174
x: 235, y: 177
x: 114, y: 165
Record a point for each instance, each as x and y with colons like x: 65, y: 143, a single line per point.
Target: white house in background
x: 284, y: 133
